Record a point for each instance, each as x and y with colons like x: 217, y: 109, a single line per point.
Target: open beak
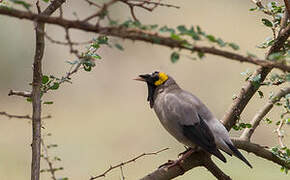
x: 142, y: 77
x: 139, y: 79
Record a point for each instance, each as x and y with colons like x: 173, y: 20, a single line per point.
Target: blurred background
x: 103, y: 117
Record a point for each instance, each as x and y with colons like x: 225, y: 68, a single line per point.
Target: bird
x: 187, y: 118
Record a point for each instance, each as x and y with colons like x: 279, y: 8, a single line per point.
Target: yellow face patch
x: 162, y: 78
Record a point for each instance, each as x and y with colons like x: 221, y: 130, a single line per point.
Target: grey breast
x: 170, y: 109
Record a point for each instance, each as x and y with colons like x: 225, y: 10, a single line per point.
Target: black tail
x: 219, y: 155
x: 238, y: 154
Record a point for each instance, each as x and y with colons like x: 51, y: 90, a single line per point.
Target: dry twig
x: 49, y: 162
x: 21, y: 116
x: 127, y: 162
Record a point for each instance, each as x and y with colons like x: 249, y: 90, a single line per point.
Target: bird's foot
x: 172, y: 163
x: 179, y: 161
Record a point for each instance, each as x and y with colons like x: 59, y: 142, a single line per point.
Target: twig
x: 156, y: 3
x: 127, y: 162
x: 260, y: 5
x: 142, y: 4
x: 280, y: 134
x: 70, y: 44
x: 19, y: 93
x: 46, y: 157
x: 122, y: 173
x: 21, y: 116
x: 101, y: 11
x: 248, y: 132
x: 65, y: 43
x: 93, y: 3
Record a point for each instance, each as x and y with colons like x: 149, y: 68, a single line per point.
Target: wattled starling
x: 186, y: 118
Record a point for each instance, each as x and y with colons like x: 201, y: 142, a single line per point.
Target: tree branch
x: 36, y: 89
x: 21, y: 116
x: 248, y: 132
x: 136, y: 34
x: 259, y: 151
x: 248, y: 91
x: 19, y: 93
x: 215, y: 170
x: 163, y: 173
x: 127, y: 162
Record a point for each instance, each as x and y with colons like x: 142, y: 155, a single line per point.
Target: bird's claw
x: 168, y: 163
x: 184, y: 152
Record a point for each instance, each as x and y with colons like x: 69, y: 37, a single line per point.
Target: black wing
x: 200, y: 134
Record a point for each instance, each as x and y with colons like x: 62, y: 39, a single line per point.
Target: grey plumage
x: 187, y: 119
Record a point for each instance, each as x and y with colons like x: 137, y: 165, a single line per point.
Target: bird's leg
x: 178, y: 162
x: 182, y: 153
x: 185, y: 155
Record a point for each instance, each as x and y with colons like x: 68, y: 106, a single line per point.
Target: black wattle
x: 151, y: 90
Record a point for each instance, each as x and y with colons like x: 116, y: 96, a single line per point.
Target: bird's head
x: 153, y: 80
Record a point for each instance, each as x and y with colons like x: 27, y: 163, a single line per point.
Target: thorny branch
x: 136, y: 34
x: 248, y: 132
x: 127, y: 162
x: 46, y: 157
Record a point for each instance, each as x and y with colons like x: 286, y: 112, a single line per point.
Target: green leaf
x: 45, y: 1
x: 22, y: 3
x: 182, y: 29
x: 96, y: 56
x: 268, y: 121
x: 200, y: 55
x: 253, y: 9
x: 267, y: 23
x: 211, y: 38
x: 120, y: 47
x: 174, y: 57
x: 103, y: 40
x: 29, y: 99
x: 166, y: 29
x: 276, y: 56
x: 45, y: 79
x: 176, y: 37
x: 55, y: 86
x: 261, y: 94
x: 234, y: 46
x: 48, y: 102
x: 256, y: 81
x: 221, y: 43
